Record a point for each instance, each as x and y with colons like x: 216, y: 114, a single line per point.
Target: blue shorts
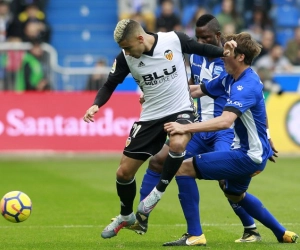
x: 234, y: 166
x: 204, y: 142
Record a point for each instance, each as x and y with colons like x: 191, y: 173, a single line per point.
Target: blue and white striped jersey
x: 203, y: 70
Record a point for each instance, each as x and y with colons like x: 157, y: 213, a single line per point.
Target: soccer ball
x: 16, y: 206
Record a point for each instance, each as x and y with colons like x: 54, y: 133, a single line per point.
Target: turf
x: 74, y: 199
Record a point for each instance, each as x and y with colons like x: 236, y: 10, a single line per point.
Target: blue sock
x: 246, y: 219
x: 150, y: 180
x: 256, y: 209
x: 189, y: 200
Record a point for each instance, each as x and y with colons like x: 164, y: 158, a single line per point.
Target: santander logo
x: 18, y: 123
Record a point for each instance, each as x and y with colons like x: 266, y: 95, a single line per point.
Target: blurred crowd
x: 258, y: 17
x: 25, y: 21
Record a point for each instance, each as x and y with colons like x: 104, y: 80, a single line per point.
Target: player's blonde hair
x: 124, y: 29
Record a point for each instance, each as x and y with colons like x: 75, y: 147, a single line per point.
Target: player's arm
x: 196, y: 91
x: 218, y: 123
x: 190, y: 46
x: 117, y: 75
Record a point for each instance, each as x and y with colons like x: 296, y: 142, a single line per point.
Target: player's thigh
x: 145, y: 139
x: 196, y: 146
x: 219, y: 165
x: 223, y: 140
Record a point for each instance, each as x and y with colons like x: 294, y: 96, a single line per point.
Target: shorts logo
x: 168, y: 54
x: 113, y: 68
x: 186, y: 116
x: 128, y: 141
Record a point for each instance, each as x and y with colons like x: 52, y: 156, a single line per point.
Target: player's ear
x: 241, y: 57
x: 140, y: 38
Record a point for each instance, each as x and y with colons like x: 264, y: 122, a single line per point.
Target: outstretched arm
x: 190, y: 46
x: 219, y: 123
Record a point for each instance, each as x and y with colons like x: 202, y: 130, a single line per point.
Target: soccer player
x: 156, y: 63
x: 245, y: 108
x: 202, y: 69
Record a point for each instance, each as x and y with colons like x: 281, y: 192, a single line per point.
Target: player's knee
x: 156, y: 164
x: 235, y: 197
x: 124, y: 174
x: 178, y: 143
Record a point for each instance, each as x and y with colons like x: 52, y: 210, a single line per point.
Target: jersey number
x: 136, y: 129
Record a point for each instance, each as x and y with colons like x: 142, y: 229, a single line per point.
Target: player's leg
x: 145, y: 139
x: 254, y: 207
x: 236, y: 168
x: 222, y: 142
x: 152, y: 175
x: 149, y: 181
x: 171, y: 165
x: 189, y: 200
x: 126, y: 189
x: 188, y: 188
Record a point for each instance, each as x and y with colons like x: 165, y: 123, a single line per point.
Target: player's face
x: 205, y: 35
x: 231, y: 64
x: 133, y: 47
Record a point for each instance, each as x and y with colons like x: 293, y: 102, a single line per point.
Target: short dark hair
x: 208, y: 19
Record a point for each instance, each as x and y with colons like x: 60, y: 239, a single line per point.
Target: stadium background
x: 81, y: 34
x: 64, y: 164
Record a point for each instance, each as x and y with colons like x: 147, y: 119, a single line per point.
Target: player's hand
x: 229, y: 48
x: 174, y: 128
x: 89, y: 114
x: 142, y: 99
x: 272, y: 158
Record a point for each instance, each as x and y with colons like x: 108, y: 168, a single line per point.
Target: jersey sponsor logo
x: 240, y: 87
x: 141, y: 64
x: 235, y: 103
x: 168, y: 54
x: 161, y: 77
x: 217, y: 70
x: 113, y: 68
x: 128, y: 141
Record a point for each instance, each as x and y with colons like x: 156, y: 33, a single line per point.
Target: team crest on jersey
x: 113, y: 68
x: 128, y: 141
x: 240, y: 87
x: 168, y: 54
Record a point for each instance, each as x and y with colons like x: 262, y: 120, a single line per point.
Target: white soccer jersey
x: 163, y: 79
x: 160, y: 74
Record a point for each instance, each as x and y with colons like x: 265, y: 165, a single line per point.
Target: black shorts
x: 147, y: 138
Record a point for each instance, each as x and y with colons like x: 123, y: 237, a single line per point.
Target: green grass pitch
x: 75, y: 198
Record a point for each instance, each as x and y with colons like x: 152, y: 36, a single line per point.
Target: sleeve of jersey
x: 190, y: 46
x: 118, y: 73
x: 214, y: 88
x: 191, y: 65
x: 241, y: 98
